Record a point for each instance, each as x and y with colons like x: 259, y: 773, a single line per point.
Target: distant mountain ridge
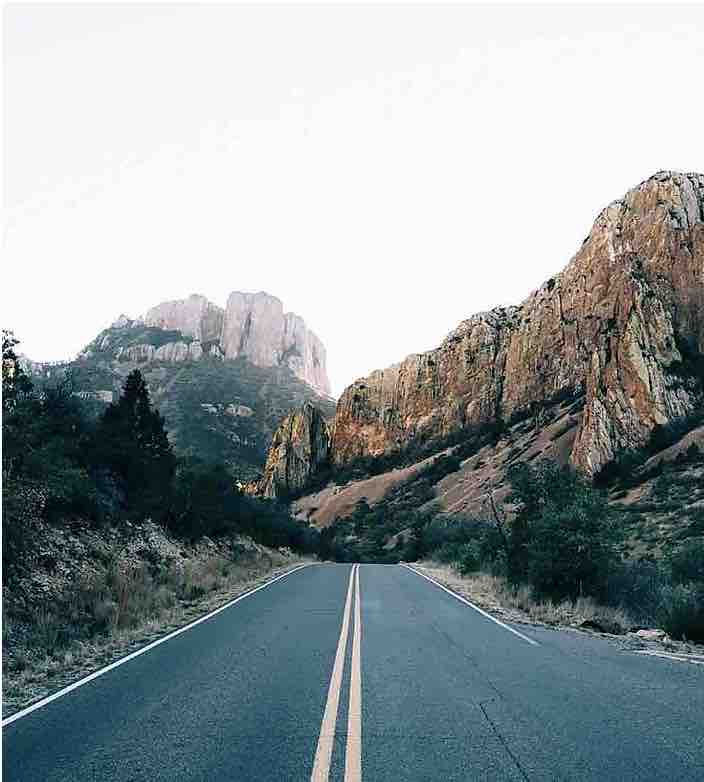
x: 224, y: 379
x: 252, y: 325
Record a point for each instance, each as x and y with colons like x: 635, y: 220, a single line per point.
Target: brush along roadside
x: 103, y: 594
x: 496, y: 596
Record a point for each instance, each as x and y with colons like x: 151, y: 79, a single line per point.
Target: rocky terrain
x: 623, y: 325
x: 252, y: 325
x: 223, y: 379
x: 611, y: 349
x: 300, y: 447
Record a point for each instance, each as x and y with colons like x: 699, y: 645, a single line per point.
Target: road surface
x: 303, y: 681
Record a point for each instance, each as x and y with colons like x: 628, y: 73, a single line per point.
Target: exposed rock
x: 172, y: 351
x: 136, y: 353
x: 239, y: 411
x: 651, y: 635
x: 253, y: 325
x: 102, y: 395
x: 194, y: 317
x: 121, y: 322
x: 300, y: 447
x: 256, y: 327
x: 620, y: 324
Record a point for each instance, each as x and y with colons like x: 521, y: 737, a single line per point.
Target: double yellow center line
x: 353, y: 753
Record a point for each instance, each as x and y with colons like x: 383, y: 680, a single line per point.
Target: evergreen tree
x: 132, y: 442
x: 15, y: 382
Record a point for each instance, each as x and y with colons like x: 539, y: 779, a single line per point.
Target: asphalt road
x: 302, y: 681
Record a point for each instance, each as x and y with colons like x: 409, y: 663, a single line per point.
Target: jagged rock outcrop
x: 171, y: 351
x: 299, y: 449
x: 252, y: 325
x: 194, y: 317
x: 256, y: 327
x: 623, y: 325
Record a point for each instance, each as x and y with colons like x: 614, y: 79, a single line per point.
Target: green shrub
x: 636, y: 586
x: 563, y: 538
x: 468, y: 558
x: 681, y: 611
x: 687, y: 562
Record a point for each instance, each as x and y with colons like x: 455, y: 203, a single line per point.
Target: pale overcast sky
x: 385, y: 170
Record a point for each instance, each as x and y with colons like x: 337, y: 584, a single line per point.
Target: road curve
x: 341, y: 672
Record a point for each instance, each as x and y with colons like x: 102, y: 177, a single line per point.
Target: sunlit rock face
x: 252, y: 325
x: 300, y: 447
x: 622, y: 324
x: 194, y: 317
x: 256, y: 327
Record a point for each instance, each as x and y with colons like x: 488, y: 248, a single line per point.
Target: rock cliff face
x: 623, y: 325
x: 252, y: 325
x: 194, y: 317
x: 300, y: 447
x: 256, y: 327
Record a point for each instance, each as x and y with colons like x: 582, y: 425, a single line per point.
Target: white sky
x: 385, y: 171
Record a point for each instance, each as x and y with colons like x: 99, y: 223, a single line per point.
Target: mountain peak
x: 252, y: 325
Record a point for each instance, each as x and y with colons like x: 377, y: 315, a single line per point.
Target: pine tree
x: 133, y: 443
x: 15, y: 382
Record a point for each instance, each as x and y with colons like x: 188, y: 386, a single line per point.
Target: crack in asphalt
x: 499, y: 696
x: 503, y: 741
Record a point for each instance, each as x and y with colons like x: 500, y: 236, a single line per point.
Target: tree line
x: 60, y: 464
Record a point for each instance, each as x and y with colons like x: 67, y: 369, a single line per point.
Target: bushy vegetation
x: 564, y: 545
x: 60, y: 465
x: 624, y: 471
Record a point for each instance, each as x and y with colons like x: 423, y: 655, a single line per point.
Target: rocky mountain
x: 252, y: 325
x: 622, y: 325
x: 223, y: 378
x: 617, y: 337
x: 299, y: 449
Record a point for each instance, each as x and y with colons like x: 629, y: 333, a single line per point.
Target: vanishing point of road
x: 350, y: 672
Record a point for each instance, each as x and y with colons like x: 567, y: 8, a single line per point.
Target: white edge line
x: 44, y: 701
x: 471, y: 605
x: 680, y: 658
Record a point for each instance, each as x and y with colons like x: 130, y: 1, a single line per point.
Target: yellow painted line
x: 353, y: 754
x: 323, y: 753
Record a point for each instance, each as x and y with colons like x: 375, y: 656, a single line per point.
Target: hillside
x: 220, y: 404
x: 601, y: 368
x: 621, y: 326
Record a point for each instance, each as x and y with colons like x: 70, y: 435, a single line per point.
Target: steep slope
x: 622, y: 325
x: 299, y: 449
x: 592, y: 365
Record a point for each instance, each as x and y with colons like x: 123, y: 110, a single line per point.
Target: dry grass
x: 495, y: 595
x: 116, y: 610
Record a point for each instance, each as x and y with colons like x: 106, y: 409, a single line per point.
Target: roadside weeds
x: 494, y: 595
x: 128, y: 608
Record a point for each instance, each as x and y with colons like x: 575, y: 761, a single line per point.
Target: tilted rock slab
x: 301, y: 446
